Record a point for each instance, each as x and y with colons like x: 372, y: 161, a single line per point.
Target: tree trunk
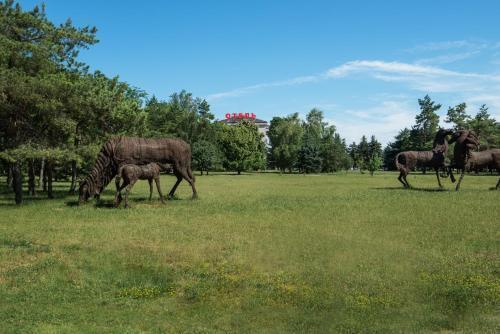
x: 31, y: 177
x: 74, y: 169
x: 49, y: 180
x: 9, y: 178
x: 239, y: 172
x: 201, y: 172
x: 74, y: 175
x: 41, y: 182
x: 18, y: 182
x: 207, y: 171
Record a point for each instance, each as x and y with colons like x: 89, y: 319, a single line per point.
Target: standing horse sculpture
x: 138, y: 151
x: 407, y: 160
x: 132, y: 173
x: 465, y: 158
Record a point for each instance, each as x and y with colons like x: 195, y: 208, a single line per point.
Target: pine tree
x: 458, y: 116
x: 426, y: 124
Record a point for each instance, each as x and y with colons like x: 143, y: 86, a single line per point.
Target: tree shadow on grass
x: 110, y: 203
x: 105, y: 204
x: 40, y: 197
x: 414, y: 189
x: 72, y: 203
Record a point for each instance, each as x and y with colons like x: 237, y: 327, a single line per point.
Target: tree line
x: 55, y: 114
x: 313, y: 146
x: 420, y: 136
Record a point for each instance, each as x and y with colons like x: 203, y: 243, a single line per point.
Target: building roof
x: 237, y: 120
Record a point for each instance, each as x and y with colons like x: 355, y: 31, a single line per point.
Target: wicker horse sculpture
x: 130, y: 174
x: 138, y: 151
x: 407, y: 160
x: 465, y: 158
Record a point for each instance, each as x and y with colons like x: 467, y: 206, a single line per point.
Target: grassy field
x: 257, y: 253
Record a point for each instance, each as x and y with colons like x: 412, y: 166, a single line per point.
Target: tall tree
x: 314, y: 128
x: 487, y: 128
x: 426, y: 124
x: 334, y: 154
x: 285, y: 136
x: 354, y: 154
x: 242, y: 147
x: 182, y: 116
x: 401, y: 143
x: 36, y: 62
x: 375, y: 147
x: 205, y: 155
x: 309, y: 160
x: 309, y: 156
x: 363, y: 151
x: 458, y: 116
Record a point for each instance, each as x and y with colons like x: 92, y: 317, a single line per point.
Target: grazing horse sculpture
x: 103, y: 171
x: 138, y: 151
x: 407, y: 160
x: 132, y: 173
x: 465, y: 158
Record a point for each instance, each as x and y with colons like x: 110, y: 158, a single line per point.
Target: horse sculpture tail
x: 399, y: 166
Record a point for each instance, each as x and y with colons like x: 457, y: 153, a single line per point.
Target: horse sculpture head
x: 84, y: 192
x: 443, y: 133
x: 440, y: 143
x: 466, y: 138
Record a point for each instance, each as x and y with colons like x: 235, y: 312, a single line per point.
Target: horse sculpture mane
x: 139, y: 151
x: 103, y: 171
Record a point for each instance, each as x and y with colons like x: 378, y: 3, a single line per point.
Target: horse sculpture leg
x: 450, y: 172
x: 191, y: 181
x: 118, y: 196
x: 498, y: 184
x: 439, y: 180
x: 129, y: 187
x: 400, y: 178
x: 172, y: 191
x: 157, y: 181
x: 408, y: 185
x: 183, y: 173
x: 150, y: 181
x: 117, y: 193
x: 460, y: 179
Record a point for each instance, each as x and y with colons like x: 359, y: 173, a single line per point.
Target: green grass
x: 257, y: 253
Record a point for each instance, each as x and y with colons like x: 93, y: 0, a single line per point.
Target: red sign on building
x: 240, y: 115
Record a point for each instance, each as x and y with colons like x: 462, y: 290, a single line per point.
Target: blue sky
x: 364, y: 63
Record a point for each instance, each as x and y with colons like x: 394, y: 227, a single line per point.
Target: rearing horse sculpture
x: 139, y: 151
x: 465, y: 158
x: 407, y: 160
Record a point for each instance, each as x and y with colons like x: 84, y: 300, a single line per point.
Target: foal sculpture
x: 465, y: 158
x: 407, y: 160
x: 130, y: 174
x: 138, y: 151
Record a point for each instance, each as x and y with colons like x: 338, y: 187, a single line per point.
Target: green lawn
x: 257, y: 253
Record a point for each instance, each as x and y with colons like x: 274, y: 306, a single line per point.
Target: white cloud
x: 244, y: 90
x: 447, y: 58
x: 401, y: 69
x: 420, y: 77
x: 383, y: 121
x: 428, y: 79
x: 447, y: 45
x: 387, y: 118
x: 492, y: 101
